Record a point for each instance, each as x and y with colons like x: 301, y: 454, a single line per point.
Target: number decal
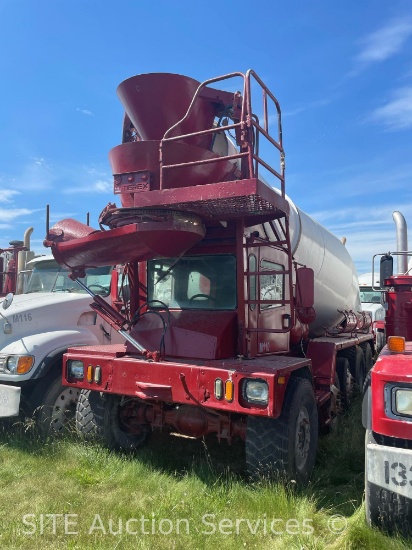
x: 386, y: 464
x: 401, y: 473
x: 22, y: 317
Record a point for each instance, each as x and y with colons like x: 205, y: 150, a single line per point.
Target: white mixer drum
x: 336, y: 282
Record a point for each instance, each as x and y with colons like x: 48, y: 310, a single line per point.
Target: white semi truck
x: 37, y: 327
x: 371, y: 303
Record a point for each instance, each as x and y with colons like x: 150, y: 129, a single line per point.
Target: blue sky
x: 342, y: 72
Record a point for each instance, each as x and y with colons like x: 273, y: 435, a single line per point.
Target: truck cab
x: 38, y: 327
x: 371, y: 302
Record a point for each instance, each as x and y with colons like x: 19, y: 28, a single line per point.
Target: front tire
x: 287, y: 445
x: 54, y: 405
x: 100, y: 417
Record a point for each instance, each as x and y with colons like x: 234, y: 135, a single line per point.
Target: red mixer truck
x: 243, y: 318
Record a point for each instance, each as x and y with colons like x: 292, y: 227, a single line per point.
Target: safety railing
x: 247, y: 127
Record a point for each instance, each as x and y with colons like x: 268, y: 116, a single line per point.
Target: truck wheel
x: 100, y: 417
x: 54, y: 405
x: 345, y: 382
x: 339, y: 399
x: 356, y: 358
x: 360, y: 369
x: 386, y: 509
x: 368, y: 355
x: 380, y: 340
x: 336, y: 408
x: 285, y: 446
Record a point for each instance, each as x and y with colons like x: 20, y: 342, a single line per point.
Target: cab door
x: 269, y: 317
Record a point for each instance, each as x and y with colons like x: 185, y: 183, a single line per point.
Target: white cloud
x: 95, y: 172
x: 84, y: 111
x: 39, y: 161
x: 103, y: 187
x: 39, y: 175
x: 382, y: 44
x: 35, y: 175
x: 12, y: 214
x: 385, y: 42
x: 100, y: 187
x: 7, y: 194
x: 397, y: 113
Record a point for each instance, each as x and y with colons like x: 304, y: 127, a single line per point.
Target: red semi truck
x: 387, y: 404
x: 244, y: 314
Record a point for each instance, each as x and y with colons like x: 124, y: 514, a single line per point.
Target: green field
x: 178, y: 493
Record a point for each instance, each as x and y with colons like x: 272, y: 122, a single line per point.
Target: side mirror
x: 7, y: 300
x: 305, y: 287
x: 386, y: 269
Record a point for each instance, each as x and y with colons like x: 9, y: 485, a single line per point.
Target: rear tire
x: 285, y: 446
x: 346, y: 386
x: 99, y: 418
x: 357, y: 366
x: 360, y: 369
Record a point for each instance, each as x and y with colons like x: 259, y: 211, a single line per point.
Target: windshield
x: 369, y: 296
x: 48, y: 276
x: 193, y: 282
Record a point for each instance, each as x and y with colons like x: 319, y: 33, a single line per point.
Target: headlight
x: 403, y: 402
x: 16, y: 364
x: 75, y: 369
x: 11, y: 364
x: 256, y: 391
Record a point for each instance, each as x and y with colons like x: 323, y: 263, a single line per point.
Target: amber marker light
x: 229, y: 390
x: 24, y: 364
x: 90, y: 374
x: 396, y: 344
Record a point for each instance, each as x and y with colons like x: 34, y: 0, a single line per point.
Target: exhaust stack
x: 23, y: 257
x: 401, y: 241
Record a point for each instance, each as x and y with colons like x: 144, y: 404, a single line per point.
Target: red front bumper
x: 190, y: 383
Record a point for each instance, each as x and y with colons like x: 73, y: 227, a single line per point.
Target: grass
x: 178, y: 493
